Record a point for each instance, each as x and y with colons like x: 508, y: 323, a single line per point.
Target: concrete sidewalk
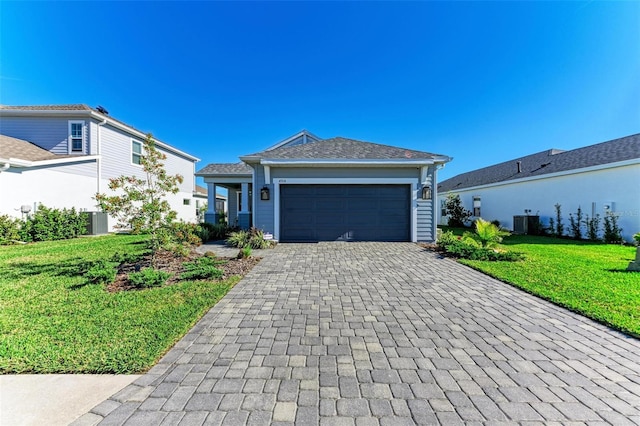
x: 54, y: 399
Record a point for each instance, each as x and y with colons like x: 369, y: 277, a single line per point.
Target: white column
x: 211, y: 197
x: 245, y: 198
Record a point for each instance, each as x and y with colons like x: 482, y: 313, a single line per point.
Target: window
x: 76, y: 136
x: 476, y: 205
x: 186, y: 202
x: 136, y: 152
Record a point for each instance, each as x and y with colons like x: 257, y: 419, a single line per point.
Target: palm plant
x: 488, y: 234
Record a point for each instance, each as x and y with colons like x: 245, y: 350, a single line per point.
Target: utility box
x: 526, y: 225
x: 97, y: 223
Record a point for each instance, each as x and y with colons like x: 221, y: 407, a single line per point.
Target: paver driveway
x: 383, y: 333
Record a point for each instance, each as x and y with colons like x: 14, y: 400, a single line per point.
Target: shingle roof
x: 546, y: 162
x: 25, y: 150
x: 71, y: 107
x: 343, y: 148
x: 225, y: 169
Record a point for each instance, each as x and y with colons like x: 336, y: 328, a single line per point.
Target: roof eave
x: 317, y: 162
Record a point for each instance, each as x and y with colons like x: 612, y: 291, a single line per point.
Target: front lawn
x: 589, y: 278
x: 52, y: 321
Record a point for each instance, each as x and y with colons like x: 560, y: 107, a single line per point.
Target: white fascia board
x: 24, y: 163
x: 97, y: 116
x: 633, y: 161
x: 344, y: 162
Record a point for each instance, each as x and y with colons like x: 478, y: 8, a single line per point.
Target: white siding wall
x: 618, y: 185
x: 49, y: 133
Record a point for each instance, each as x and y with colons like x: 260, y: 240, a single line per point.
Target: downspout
x: 99, y: 152
x: 436, y: 203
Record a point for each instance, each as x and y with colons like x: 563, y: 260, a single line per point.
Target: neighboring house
x: 310, y: 189
x: 598, y: 178
x: 201, y: 197
x: 62, y: 155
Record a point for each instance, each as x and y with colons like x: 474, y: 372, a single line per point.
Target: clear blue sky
x: 482, y: 82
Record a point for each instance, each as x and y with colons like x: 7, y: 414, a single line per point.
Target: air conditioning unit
x: 97, y: 223
x: 526, y: 224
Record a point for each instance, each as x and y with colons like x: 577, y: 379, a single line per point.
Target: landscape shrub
x: 612, y: 232
x: 101, y: 272
x: 466, y: 247
x: 148, y: 277
x: 575, y: 224
x: 218, y: 231
x: 185, y: 233
x: 9, y: 229
x: 487, y: 233
x: 636, y: 238
x: 253, y: 238
x: 245, y: 252
x: 48, y: 224
x: 203, y: 268
x: 593, y: 227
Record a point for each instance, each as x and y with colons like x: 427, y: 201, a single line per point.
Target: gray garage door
x: 345, y: 212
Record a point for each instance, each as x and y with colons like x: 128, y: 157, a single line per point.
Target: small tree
x: 458, y: 215
x: 141, y: 205
x: 559, y: 231
x: 612, y: 232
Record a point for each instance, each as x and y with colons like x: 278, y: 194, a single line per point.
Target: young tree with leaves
x: 140, y: 203
x: 458, y: 215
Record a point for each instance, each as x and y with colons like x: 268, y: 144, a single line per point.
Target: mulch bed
x: 173, y: 263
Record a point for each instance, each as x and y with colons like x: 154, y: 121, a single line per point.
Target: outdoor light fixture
x: 426, y: 192
x: 264, y: 193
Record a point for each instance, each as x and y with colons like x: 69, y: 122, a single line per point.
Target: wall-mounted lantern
x: 426, y: 192
x: 264, y: 193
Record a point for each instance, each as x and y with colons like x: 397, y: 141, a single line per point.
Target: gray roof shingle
x: 25, y: 150
x: 546, y: 162
x: 71, y: 107
x: 225, y: 169
x: 343, y: 148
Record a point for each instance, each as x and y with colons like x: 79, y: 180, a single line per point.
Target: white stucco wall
x: 590, y: 189
x: 56, y: 188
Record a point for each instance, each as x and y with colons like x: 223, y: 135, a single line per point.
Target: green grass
x: 51, y: 321
x: 588, y: 278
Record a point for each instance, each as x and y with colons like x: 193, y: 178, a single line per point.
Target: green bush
x: 203, y: 268
x: 466, y: 247
x: 245, y: 252
x: 636, y: 237
x: 612, y: 232
x: 9, y: 229
x: 218, y: 231
x: 148, y: 278
x: 253, y: 238
x: 53, y: 224
x: 458, y: 215
x: 185, y: 233
x: 487, y: 233
x: 101, y: 272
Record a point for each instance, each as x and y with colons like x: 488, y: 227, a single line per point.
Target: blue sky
x: 482, y: 82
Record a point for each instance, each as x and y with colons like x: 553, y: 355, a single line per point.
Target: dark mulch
x: 173, y: 263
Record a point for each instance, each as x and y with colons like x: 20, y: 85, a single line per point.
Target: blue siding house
x: 310, y: 189
x: 62, y: 155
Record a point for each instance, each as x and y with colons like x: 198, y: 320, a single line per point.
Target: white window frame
x: 70, y: 138
x: 133, y: 142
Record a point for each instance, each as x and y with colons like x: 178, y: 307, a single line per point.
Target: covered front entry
x: 345, y: 212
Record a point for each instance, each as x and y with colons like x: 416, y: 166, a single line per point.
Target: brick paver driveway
x: 383, y: 333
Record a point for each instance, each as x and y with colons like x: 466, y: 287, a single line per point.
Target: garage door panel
x: 345, y: 212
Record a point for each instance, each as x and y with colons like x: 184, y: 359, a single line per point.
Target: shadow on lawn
x: 68, y: 268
